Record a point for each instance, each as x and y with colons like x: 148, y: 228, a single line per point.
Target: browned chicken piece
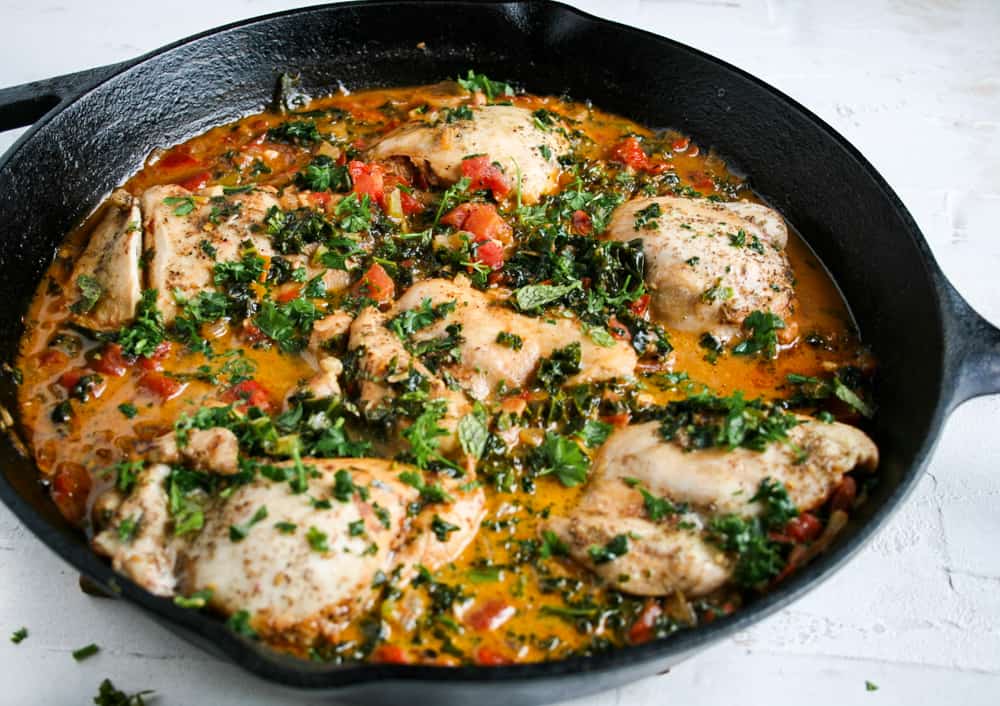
x: 111, y: 263
x: 663, y: 557
x: 301, y: 571
x: 326, y: 382
x: 146, y: 553
x: 213, y: 450
x: 178, y: 224
x: 484, y: 363
x: 332, y: 328
x: 709, y: 265
x: 384, y: 361
x: 507, y: 134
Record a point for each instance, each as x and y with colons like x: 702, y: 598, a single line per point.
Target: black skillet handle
x: 23, y: 105
x: 972, y: 346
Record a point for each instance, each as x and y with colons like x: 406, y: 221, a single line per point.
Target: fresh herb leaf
x: 19, y: 636
x: 238, y: 533
x: 442, y: 529
x: 196, y: 600
x: 90, y: 292
x: 146, y: 333
x: 535, y: 296
x: 317, y: 540
x: 561, y: 457
x: 473, y: 433
x: 762, y: 334
x: 85, y: 652
x: 594, y: 433
x: 183, y: 205
x: 479, y: 82
x: 128, y: 409
x: 239, y: 622
x: 295, y: 132
x: 615, y: 548
x: 511, y: 340
x: 562, y: 364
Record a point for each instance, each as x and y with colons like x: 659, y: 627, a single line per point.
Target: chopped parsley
x: 317, y: 540
x: 238, y: 533
x: 479, y: 82
x: 511, y: 340
x: 704, y: 421
x: 442, y: 529
x: 295, y: 132
x: 146, y: 333
x: 615, y: 548
x: 761, y: 334
x: 239, y: 622
x: 108, y: 695
x: 85, y: 652
x: 90, y: 292
x: 19, y: 636
x: 128, y: 410
x: 561, y: 457
x: 183, y: 205
x: 562, y: 364
x: 645, y: 219
x: 196, y: 600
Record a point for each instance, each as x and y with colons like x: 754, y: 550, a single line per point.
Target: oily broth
x: 71, y: 457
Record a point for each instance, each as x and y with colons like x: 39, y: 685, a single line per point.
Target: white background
x: 915, y: 84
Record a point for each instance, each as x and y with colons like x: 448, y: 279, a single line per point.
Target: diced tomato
x: 155, y: 361
x: 70, y: 378
x: 582, y: 222
x: 804, y: 528
x: 287, y: 293
x: 618, y: 330
x: 52, y: 357
x: 251, y: 333
x: 488, y: 252
x: 491, y: 615
x: 701, y: 181
x: 320, y: 198
x: 482, y: 220
x: 196, y: 181
x: 368, y: 179
x: 410, y: 203
x: 642, y: 629
x: 845, y: 494
x: 110, y: 360
x: 490, y: 658
x: 680, y: 144
x: 484, y: 174
x: 249, y: 393
x: 640, y: 305
x: 630, y: 152
x: 164, y: 387
x: 175, y: 159
x: 376, y: 284
x: 617, y: 420
x: 390, y: 654
x: 70, y: 487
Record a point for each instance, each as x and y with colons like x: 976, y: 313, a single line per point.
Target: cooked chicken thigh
x: 709, y: 265
x: 300, y: 570
x: 663, y: 557
x: 178, y: 222
x: 111, y: 261
x: 484, y: 363
x: 506, y: 134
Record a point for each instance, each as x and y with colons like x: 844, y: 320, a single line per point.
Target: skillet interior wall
x: 816, y: 183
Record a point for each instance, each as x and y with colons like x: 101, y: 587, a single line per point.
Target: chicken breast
x: 179, y: 224
x: 506, y: 134
x: 301, y: 564
x: 709, y: 265
x: 484, y: 363
x: 111, y: 262
x: 664, y: 556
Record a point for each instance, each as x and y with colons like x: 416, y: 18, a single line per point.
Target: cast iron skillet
x: 93, y: 129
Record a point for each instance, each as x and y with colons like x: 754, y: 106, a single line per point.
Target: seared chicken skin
x: 508, y: 135
x: 301, y: 570
x: 111, y: 261
x: 709, y: 265
x: 663, y: 557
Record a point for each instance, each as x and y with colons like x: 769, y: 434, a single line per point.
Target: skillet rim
x: 294, y: 672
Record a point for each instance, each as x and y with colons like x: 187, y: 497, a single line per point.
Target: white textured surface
x: 915, y: 84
